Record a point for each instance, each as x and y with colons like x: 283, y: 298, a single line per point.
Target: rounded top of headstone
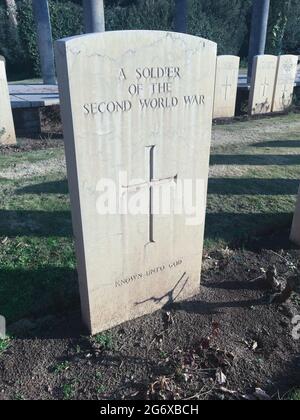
x: 228, y: 56
x: 263, y: 56
x: 153, y: 36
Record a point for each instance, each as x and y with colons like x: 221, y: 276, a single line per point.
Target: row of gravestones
x: 137, y: 125
x: 271, y: 90
x: 272, y: 83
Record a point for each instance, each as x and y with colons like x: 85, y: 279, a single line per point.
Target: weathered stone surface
x: 7, y: 130
x: 137, y: 115
x: 227, y: 75
x: 262, y: 84
x: 285, y: 82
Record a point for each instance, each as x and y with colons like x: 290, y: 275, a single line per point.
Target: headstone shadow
x: 278, y: 143
x: 256, y: 160
x: 248, y: 227
x: 171, y: 296
x: 213, y: 308
x: 252, y: 186
x: 40, y: 295
x: 53, y: 187
x: 35, y: 223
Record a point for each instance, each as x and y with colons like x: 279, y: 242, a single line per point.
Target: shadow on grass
x: 37, y: 293
x: 281, y: 160
x: 230, y: 227
x: 35, y: 223
x: 54, y: 187
x: 249, y: 229
x: 278, y: 143
x: 252, y: 186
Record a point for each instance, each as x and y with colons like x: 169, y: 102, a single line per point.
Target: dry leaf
x: 254, y: 346
x: 221, y: 378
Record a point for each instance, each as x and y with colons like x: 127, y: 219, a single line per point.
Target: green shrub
x: 226, y: 22
x: 66, y: 19
x: 146, y: 14
x: 222, y: 21
x: 10, y: 45
x: 291, y: 38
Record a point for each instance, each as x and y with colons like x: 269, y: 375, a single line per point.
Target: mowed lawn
x: 252, y: 192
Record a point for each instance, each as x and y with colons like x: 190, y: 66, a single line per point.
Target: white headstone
x: 227, y: 76
x: 2, y: 327
x: 137, y: 115
x: 7, y: 129
x: 295, y: 232
x: 285, y: 82
x: 262, y: 84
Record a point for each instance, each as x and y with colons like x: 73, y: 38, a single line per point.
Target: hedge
x: 226, y: 22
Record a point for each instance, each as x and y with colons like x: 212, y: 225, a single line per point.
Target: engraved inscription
x: 153, y: 89
x: 148, y: 273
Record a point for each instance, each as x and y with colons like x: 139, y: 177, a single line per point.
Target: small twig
x: 200, y: 393
x: 280, y: 256
x: 257, y: 278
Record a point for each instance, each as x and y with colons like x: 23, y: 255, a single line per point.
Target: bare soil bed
x: 222, y: 344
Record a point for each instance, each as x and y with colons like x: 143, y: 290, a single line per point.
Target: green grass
x: 105, y: 340
x: 4, y: 344
x: 61, y: 367
x: 252, y: 192
x: 28, y: 157
x: 101, y: 389
x: 37, y: 258
x: 68, y: 391
x: 294, y: 395
x: 259, y: 198
x: 19, y: 397
x: 27, y: 82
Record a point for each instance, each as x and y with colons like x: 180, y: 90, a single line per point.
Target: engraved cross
x: 265, y: 86
x: 226, y: 86
x: 150, y: 183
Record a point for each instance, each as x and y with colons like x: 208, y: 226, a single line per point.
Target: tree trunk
x: 12, y: 12
x: 45, y: 43
x: 258, y: 36
x: 94, y: 16
x: 181, y: 16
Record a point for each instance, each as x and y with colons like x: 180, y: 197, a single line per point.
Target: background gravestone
x: 2, y: 328
x: 141, y: 103
x: 7, y: 129
x: 262, y: 84
x: 285, y: 82
x: 227, y: 75
x: 295, y: 232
